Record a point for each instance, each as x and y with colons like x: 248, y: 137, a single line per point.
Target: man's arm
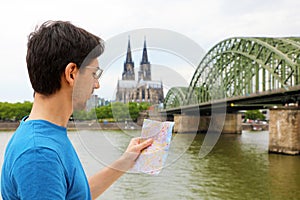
x: 104, y: 178
x: 38, y: 174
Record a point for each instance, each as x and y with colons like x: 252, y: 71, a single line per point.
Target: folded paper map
x: 152, y: 159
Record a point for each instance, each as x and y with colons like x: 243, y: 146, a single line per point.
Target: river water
x: 238, y: 167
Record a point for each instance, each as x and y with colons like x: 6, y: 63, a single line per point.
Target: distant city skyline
x: 205, y: 22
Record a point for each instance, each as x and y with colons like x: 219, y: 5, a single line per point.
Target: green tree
x: 133, y: 110
x: 144, y: 106
x: 120, y: 111
x: 254, y: 115
x: 104, y: 112
x: 83, y: 115
x: 14, y: 111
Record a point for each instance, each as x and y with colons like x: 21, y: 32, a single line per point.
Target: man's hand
x: 134, y: 149
x: 104, y: 178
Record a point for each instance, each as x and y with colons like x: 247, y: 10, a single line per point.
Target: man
x: 40, y: 161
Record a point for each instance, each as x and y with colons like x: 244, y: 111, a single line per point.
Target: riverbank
x: 255, y: 126
x: 92, y: 125
x: 8, y: 126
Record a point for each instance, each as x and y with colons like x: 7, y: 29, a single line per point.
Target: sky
x: 202, y: 21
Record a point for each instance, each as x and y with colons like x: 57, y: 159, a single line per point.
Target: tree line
x: 14, y: 111
x: 113, y: 112
x: 116, y: 111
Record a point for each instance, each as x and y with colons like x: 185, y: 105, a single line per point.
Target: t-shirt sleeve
x: 39, y: 174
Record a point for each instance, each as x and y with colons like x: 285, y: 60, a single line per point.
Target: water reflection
x: 284, y: 176
x: 228, y: 172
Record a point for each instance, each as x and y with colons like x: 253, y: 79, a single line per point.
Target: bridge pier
x: 284, y: 128
x: 186, y: 123
x: 230, y: 125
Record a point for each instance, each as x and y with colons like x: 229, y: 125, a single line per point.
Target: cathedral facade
x: 142, y: 89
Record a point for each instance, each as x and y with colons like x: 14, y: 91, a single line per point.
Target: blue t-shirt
x: 41, y: 163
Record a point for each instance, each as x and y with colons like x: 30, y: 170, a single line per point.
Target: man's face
x: 85, y: 83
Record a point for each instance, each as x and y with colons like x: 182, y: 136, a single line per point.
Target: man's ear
x: 71, y: 71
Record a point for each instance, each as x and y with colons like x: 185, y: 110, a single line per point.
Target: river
x: 238, y: 167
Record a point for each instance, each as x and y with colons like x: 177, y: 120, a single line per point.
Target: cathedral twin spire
x: 145, y: 67
x: 145, y: 55
x: 128, y: 72
x: 128, y: 56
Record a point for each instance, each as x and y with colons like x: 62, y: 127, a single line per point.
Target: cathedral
x: 142, y: 89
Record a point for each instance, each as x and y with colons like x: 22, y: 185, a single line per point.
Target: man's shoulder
x: 43, y: 133
x: 30, y: 137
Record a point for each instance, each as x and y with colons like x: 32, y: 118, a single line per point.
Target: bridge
x: 245, y: 73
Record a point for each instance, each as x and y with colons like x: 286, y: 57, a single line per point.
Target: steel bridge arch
x: 175, y: 97
x: 243, y: 66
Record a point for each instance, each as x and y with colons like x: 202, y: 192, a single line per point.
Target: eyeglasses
x: 96, y: 74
